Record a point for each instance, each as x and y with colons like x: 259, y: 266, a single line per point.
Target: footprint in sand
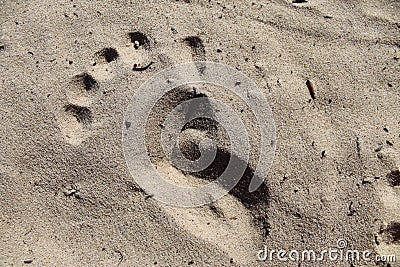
x: 197, y: 47
x: 240, y: 211
x: 75, y: 123
x: 75, y: 119
x: 82, y: 89
x: 239, y: 217
x: 136, y: 52
x: 104, y: 63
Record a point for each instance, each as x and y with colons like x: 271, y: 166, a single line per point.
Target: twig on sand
x: 311, y: 89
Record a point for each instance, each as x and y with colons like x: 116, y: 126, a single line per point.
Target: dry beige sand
x: 66, y: 195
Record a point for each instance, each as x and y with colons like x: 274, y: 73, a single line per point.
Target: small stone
x: 69, y: 192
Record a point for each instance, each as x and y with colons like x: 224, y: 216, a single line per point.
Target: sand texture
x: 69, y: 69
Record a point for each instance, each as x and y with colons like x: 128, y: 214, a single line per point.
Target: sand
x: 70, y: 68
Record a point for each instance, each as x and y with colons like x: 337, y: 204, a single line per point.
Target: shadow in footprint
x: 197, y: 46
x: 198, y: 51
x: 82, y: 114
x: 87, y: 81
x: 139, y: 39
x: 109, y: 54
x: 241, y: 190
x: 256, y: 202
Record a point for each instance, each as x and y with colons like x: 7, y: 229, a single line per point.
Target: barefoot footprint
x: 240, y: 215
x: 237, y: 218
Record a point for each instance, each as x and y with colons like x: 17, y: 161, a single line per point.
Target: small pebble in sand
x: 136, y: 44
